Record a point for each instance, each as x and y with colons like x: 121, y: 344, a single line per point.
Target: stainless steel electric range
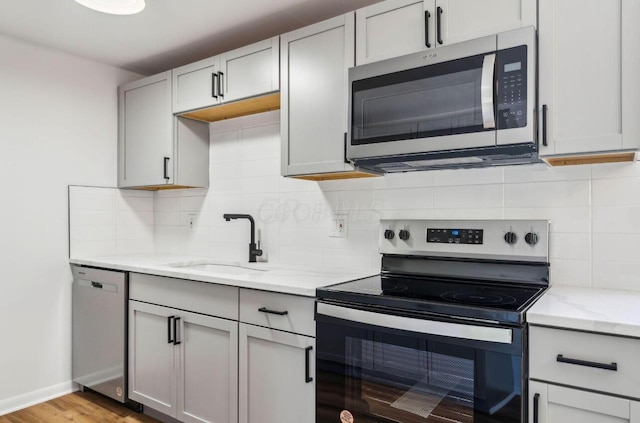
x: 439, y: 335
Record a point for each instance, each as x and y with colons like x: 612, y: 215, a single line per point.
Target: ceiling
x: 167, y: 33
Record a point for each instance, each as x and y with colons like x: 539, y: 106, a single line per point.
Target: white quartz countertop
x: 607, y: 311
x: 263, y: 276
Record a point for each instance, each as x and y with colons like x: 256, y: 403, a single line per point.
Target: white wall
x: 58, y: 126
x: 594, y: 210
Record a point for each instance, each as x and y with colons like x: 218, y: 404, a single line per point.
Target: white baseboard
x: 36, y: 397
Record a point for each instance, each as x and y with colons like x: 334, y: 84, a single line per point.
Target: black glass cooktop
x: 484, y: 301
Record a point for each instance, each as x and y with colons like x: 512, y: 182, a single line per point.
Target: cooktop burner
x: 479, y: 296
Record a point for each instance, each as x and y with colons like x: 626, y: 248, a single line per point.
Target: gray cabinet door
x: 208, y: 371
x: 196, y: 85
x: 557, y: 404
x: 273, y: 387
x: 145, y: 133
x: 314, y: 66
x: 251, y: 70
x: 591, y: 99
x: 152, y: 377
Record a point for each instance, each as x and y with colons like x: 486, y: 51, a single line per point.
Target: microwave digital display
x: 511, y: 67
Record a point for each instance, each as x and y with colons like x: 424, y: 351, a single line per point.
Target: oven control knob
x: 531, y: 238
x: 404, y: 234
x: 389, y: 234
x: 510, y: 237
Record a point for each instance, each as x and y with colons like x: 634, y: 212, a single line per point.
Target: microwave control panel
x: 511, y: 81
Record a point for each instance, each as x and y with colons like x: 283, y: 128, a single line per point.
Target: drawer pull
x: 307, y: 371
x: 613, y: 366
x: 279, y: 313
x: 536, y: 406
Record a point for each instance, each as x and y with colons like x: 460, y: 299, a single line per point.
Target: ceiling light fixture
x: 114, y: 7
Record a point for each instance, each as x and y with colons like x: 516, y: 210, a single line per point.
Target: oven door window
x: 368, y: 374
x: 431, y: 101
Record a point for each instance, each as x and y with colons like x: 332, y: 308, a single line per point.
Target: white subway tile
x: 93, y: 248
x: 192, y: 204
x: 261, y: 184
x: 356, y: 242
x: 471, y: 196
x: 548, y: 194
x: 225, y: 147
x: 616, y: 247
x: 616, y: 170
x: 166, y: 218
x: 136, y: 193
x: 261, y: 142
x: 228, y: 251
x: 541, y: 172
x: 468, y: 214
x: 134, y: 203
x: 135, y: 246
x: 403, y: 214
x: 468, y: 177
x: 616, y: 192
x: 616, y: 275
x: 134, y: 232
x: 338, y: 261
x: 225, y: 186
x: 258, y: 202
x: 405, y: 180
x: 132, y: 217
x: 402, y: 199
x: 300, y: 256
x: 166, y: 204
x: 86, y: 198
x: 290, y: 185
x: 620, y: 220
x: 570, y: 272
x: 225, y: 170
x: 301, y: 237
x: 573, y: 246
x: 262, y: 167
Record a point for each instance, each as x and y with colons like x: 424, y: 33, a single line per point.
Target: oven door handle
x: 430, y: 327
x: 487, y: 91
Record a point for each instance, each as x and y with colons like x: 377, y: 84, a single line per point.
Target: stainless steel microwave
x: 469, y: 104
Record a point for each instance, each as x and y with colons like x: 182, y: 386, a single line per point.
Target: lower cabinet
x: 550, y: 403
x: 183, y: 364
x: 276, y: 378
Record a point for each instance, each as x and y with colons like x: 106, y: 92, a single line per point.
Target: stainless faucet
x: 253, y: 250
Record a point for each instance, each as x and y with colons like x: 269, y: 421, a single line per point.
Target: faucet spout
x: 254, y: 251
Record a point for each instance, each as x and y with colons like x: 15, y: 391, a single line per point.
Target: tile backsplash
x: 593, y: 209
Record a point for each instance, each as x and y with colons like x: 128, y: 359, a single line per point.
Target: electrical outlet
x: 191, y: 221
x: 339, y: 225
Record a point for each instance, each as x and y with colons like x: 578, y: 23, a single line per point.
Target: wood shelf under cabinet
x: 591, y: 159
x: 249, y: 106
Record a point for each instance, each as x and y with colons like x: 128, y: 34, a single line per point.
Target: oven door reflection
x: 379, y: 375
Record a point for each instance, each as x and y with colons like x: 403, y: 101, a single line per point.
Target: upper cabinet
x: 396, y: 27
x: 589, y: 64
x: 313, y: 117
x: 244, y: 73
x: 156, y: 149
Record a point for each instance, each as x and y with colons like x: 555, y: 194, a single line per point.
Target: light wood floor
x: 79, y: 407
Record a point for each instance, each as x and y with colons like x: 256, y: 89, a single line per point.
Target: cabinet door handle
x: 175, y: 331
x: 536, y: 405
x: 427, y: 16
x: 307, y: 365
x: 279, y: 313
x: 221, y: 84
x: 544, y: 125
x: 169, y: 337
x: 439, y: 25
x: 214, y: 85
x: 345, y: 149
x: 562, y: 359
x: 166, y: 168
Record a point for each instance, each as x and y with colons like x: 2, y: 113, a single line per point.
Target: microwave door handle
x: 486, y: 91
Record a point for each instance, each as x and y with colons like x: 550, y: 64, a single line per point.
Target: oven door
x: 382, y: 368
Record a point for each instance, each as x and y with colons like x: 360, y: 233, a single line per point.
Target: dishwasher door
x: 99, y: 331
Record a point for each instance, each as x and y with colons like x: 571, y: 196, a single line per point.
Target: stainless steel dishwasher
x: 99, y: 331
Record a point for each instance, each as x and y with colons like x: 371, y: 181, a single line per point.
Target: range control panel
x: 455, y: 236
x: 526, y: 240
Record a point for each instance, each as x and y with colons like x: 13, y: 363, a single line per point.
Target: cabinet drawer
x: 199, y: 297
x: 572, y: 358
x: 278, y: 311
